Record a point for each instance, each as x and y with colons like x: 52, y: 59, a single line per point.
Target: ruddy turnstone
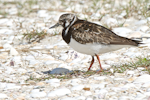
x: 90, y: 38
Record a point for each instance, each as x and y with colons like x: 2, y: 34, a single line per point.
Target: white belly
x: 92, y: 49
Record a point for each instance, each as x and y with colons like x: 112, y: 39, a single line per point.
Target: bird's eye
x: 62, y: 20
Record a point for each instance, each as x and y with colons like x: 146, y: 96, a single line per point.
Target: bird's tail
x: 142, y: 41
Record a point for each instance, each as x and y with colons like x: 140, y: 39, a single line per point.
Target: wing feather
x: 87, y: 32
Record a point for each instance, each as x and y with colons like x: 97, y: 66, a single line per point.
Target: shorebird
x: 90, y: 38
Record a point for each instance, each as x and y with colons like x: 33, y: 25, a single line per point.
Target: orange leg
x: 91, y: 63
x: 99, y: 63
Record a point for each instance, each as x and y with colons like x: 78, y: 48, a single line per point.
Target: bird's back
x: 86, y: 32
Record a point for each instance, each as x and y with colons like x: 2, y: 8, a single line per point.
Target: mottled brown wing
x: 87, y: 32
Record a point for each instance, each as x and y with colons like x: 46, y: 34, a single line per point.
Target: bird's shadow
x: 70, y: 73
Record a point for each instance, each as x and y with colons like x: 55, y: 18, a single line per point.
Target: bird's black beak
x: 56, y: 25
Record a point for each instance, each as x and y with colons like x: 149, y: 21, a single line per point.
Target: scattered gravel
x: 28, y: 69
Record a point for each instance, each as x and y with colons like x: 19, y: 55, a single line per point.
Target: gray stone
x: 59, y: 71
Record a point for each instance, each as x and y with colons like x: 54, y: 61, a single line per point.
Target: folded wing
x: 87, y: 32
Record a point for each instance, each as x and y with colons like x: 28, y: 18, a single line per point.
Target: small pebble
x: 69, y: 99
x: 59, y: 92
x: 77, y: 88
x: 13, y: 52
x: 88, y: 98
x: 100, y: 78
x: 143, y: 79
x: 3, y: 96
x: 36, y: 93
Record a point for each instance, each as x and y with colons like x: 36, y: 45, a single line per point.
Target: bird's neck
x: 65, y: 33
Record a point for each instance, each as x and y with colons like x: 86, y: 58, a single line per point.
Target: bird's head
x: 65, y: 20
